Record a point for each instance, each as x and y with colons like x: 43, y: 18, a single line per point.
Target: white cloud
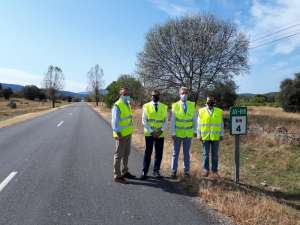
x: 15, y: 76
x: 185, y: 8
x: 268, y: 17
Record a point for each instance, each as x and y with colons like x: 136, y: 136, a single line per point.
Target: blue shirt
x: 115, y: 119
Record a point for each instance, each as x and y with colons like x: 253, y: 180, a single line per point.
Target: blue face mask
x: 126, y: 99
x: 183, y: 98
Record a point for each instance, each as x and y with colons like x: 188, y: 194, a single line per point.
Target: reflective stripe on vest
x: 125, y: 122
x: 155, y: 119
x: 210, y: 125
x: 184, y: 121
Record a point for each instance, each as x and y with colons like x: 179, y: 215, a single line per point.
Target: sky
x: 76, y: 35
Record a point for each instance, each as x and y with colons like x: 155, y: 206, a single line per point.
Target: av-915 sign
x: 238, y: 120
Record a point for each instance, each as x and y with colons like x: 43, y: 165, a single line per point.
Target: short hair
x: 211, y: 97
x: 155, y: 92
x: 183, y: 89
x: 123, y: 89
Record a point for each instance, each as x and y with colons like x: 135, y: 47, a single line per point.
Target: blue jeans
x: 186, y: 153
x: 212, y: 146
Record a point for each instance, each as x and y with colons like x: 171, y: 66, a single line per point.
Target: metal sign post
x: 237, y: 158
x: 238, y: 126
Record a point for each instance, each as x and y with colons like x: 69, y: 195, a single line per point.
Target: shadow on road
x: 165, y: 183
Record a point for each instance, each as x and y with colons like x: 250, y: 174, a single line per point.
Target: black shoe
x: 186, y: 174
x: 120, y: 180
x: 129, y: 176
x: 156, y: 174
x: 173, y: 175
x: 144, y: 176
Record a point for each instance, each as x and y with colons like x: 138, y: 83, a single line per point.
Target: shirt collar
x: 155, y: 103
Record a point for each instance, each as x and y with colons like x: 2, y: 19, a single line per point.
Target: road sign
x: 238, y: 120
x: 238, y: 126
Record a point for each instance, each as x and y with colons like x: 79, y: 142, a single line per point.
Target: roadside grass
x: 25, y: 110
x: 269, y: 182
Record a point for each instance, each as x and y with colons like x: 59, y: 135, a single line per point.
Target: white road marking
x: 61, y: 122
x: 7, y: 180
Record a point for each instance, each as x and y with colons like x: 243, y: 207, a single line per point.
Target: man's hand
x: 159, y: 132
x: 154, y: 134
x: 173, y: 137
x: 119, y: 136
x: 200, y: 138
x: 195, y: 135
x: 221, y: 138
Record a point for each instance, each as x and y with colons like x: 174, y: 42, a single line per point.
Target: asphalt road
x: 57, y: 169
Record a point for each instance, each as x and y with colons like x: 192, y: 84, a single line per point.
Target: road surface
x: 57, y: 169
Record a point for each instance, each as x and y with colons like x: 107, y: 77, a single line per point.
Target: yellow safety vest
x: 210, y: 125
x: 184, y: 121
x: 155, y: 119
x: 125, y: 122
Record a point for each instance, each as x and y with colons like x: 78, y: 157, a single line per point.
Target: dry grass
x: 244, y: 207
x: 25, y: 110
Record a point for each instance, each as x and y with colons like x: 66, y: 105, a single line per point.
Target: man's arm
x: 222, y: 128
x: 195, y: 123
x: 172, y: 124
x: 198, y: 127
x: 115, y: 118
x: 145, y: 123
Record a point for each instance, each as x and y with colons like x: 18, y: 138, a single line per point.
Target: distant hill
x: 18, y: 88
x: 14, y: 87
x: 246, y: 95
x: 269, y: 94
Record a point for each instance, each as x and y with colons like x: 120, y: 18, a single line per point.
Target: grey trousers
x: 121, y: 155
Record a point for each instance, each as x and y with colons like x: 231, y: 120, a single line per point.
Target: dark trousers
x: 159, y: 146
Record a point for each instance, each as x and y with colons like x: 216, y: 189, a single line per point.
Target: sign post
x: 238, y: 126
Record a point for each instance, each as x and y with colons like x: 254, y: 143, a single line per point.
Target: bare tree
x: 192, y: 51
x: 53, y: 82
x: 95, y: 81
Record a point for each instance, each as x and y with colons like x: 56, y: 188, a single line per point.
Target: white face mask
x: 126, y: 99
x: 183, y: 97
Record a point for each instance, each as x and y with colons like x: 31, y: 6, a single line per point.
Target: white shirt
x: 173, y: 129
x: 145, y: 120
x: 210, y: 111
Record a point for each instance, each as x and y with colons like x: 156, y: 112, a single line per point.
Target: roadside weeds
x: 243, y: 206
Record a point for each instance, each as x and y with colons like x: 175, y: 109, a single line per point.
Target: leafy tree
x: 134, y: 86
x: 7, y: 93
x: 224, y: 93
x: 1, y: 90
x: 259, y: 99
x: 192, y: 51
x: 290, y: 94
x: 31, y: 92
x: 112, y: 93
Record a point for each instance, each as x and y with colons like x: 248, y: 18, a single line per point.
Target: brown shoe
x: 120, y: 180
x: 205, y: 173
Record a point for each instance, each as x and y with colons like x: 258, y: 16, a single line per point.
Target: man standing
x: 183, y: 128
x: 122, y: 126
x: 155, y: 122
x: 210, y: 132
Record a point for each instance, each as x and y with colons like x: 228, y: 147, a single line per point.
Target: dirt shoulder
x: 25, y: 116
x: 245, y: 204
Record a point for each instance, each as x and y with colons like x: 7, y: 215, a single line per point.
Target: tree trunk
x: 53, y: 102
